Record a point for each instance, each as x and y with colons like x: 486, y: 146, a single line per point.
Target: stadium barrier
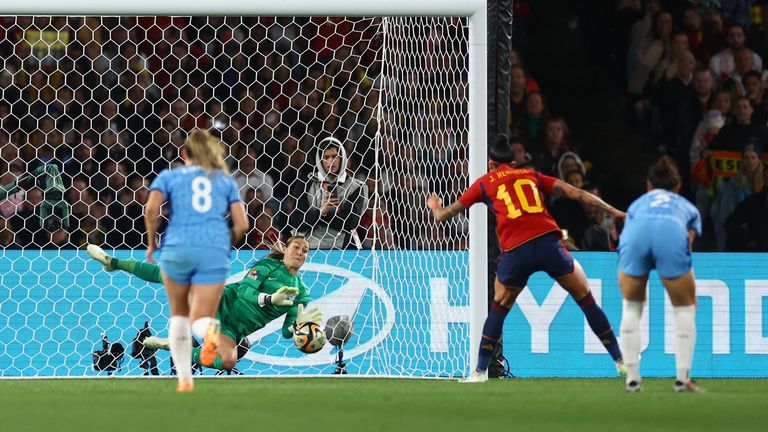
x: 56, y: 305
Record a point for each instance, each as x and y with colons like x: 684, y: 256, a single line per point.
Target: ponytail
x: 206, y: 151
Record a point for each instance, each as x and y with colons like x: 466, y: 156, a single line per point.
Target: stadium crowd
x: 110, y: 101
x: 696, y: 89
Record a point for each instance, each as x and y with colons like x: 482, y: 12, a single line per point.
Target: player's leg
x: 504, y: 297
x: 633, y: 291
x: 674, y: 267
x: 179, y: 331
x: 636, y: 260
x: 225, y: 358
x: 511, y: 276
x: 144, y: 270
x: 205, y: 300
x: 212, y: 268
x: 577, y: 286
x: 682, y: 294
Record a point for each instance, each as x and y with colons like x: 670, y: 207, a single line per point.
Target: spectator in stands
x: 248, y: 176
x: 723, y: 102
x: 723, y: 63
x: 264, y: 233
x: 554, y: 145
x: 754, y: 89
x: 667, y: 67
x: 518, y: 98
x: 331, y: 203
x: 747, y: 225
x: 575, y: 178
x: 601, y: 235
x: 713, y: 36
x: 514, y: 60
x: 743, y: 62
x: 583, y: 223
x: 703, y: 87
x: 535, y: 114
x: 691, y: 24
x: 523, y: 158
x: 568, y: 162
x: 733, y: 137
x: 736, y: 189
x: 650, y: 36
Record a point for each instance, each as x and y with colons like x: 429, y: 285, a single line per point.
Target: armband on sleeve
x: 265, y: 299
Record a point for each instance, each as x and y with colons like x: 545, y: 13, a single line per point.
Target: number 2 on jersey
x: 661, y: 200
x: 201, y: 194
x: 512, y: 211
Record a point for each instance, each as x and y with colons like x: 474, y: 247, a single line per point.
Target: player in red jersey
x: 530, y: 241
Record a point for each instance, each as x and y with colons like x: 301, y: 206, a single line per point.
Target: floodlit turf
x: 352, y: 404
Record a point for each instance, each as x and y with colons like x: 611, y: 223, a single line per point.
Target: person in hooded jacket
x: 329, y: 208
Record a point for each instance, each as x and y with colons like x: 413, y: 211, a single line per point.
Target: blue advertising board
x: 409, y: 309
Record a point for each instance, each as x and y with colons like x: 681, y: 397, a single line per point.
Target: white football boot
x: 154, y: 342
x: 688, y: 387
x: 99, y: 255
x: 475, y: 377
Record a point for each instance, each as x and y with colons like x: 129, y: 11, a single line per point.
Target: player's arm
x: 563, y: 189
x: 443, y: 213
x: 152, y: 220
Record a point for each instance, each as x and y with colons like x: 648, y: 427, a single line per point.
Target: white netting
x: 109, y: 101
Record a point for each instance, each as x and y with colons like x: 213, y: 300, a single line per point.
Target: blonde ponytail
x: 206, y: 151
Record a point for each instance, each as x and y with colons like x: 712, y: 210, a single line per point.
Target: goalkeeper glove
x: 281, y: 297
x: 314, y: 315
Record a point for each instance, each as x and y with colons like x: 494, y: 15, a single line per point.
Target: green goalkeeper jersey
x: 239, y: 310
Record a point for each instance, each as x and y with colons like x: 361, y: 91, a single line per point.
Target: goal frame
x: 474, y: 10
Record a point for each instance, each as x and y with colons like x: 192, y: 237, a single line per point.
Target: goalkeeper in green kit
x: 270, y: 289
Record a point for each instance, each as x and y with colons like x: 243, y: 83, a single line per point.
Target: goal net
x: 108, y: 102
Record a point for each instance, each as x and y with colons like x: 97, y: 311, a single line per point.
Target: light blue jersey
x: 655, y: 235
x: 199, y: 203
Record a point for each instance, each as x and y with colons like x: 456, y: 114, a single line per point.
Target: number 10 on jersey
x: 513, y: 212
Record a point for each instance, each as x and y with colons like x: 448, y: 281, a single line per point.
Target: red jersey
x: 514, y: 195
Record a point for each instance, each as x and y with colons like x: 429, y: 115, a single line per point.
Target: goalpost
x: 105, y: 91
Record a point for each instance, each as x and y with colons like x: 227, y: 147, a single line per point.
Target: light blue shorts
x: 202, y: 266
x: 648, y: 244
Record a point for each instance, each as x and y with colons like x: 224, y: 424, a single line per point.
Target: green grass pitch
x: 356, y: 404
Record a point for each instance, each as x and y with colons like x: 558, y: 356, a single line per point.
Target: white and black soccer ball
x: 309, y: 338
x: 338, y: 329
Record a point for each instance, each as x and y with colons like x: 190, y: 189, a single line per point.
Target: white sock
x: 685, y: 340
x: 180, y: 341
x: 200, y: 326
x: 630, y: 338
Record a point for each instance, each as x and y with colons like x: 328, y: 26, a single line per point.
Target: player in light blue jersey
x: 196, y: 245
x: 659, y: 230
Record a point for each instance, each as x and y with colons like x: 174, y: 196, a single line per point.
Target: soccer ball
x: 309, y: 338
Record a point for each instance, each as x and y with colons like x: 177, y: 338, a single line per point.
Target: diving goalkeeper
x: 270, y: 289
